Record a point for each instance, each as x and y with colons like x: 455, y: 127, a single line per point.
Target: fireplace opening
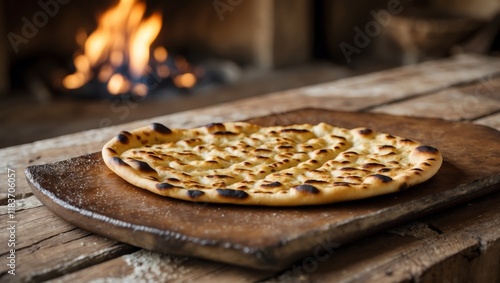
x: 122, y: 52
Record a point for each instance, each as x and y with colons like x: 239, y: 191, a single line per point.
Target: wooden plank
x: 444, y: 245
x: 460, y: 245
x: 404, y: 82
x: 42, y: 238
x: 147, y: 266
x: 455, y: 104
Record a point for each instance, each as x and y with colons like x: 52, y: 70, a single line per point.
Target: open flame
x: 117, y: 53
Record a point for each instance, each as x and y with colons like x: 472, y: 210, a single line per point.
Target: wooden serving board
x: 85, y: 193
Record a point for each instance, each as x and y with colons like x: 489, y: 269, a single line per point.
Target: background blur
x: 72, y: 65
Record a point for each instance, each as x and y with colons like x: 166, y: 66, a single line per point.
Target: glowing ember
x: 118, y: 52
x: 118, y: 84
x: 73, y: 81
x: 160, y: 54
x: 185, y: 80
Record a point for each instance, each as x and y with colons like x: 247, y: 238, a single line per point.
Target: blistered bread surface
x: 244, y: 163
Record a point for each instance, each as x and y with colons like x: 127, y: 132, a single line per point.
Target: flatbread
x: 243, y: 163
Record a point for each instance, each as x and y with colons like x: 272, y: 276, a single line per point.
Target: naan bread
x: 243, y: 163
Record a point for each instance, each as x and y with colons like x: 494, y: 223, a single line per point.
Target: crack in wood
x: 434, y: 228
x: 417, y: 230
x: 494, y: 112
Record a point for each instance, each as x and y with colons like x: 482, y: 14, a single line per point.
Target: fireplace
x: 203, y: 32
x: 228, y: 49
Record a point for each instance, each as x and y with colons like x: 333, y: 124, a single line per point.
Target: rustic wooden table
x: 460, y: 244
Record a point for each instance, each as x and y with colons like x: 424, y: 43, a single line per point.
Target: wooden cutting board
x: 85, y: 193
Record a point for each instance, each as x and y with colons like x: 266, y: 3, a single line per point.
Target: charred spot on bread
x: 382, y: 178
x: 427, y: 149
x: 194, y: 194
x: 304, y: 188
x: 143, y: 166
x: 272, y: 185
x: 373, y: 165
x: 295, y: 131
x: 122, y: 138
x: 365, y: 132
x: 407, y: 141
x: 285, y: 147
x: 384, y: 170
x: 212, y: 125
x: 119, y: 161
x: 155, y: 157
x: 164, y: 186
x: 224, y: 133
x: 386, y: 147
x: 160, y: 128
x: 215, y: 127
x: 343, y: 184
x: 230, y: 193
x: 339, y: 137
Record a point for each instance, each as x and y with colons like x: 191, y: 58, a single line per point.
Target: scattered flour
x: 150, y: 266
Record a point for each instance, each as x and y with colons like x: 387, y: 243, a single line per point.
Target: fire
x: 185, y: 80
x: 117, y: 53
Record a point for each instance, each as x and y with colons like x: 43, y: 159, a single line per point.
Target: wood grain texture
x: 157, y: 267
x: 459, y: 245
x: 408, y: 81
x: 42, y: 238
x: 454, y: 104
